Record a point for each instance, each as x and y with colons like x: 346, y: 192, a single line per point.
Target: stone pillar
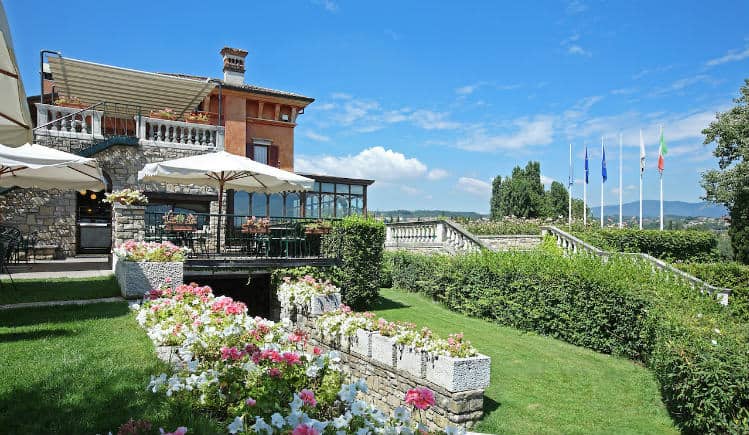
x: 128, y: 223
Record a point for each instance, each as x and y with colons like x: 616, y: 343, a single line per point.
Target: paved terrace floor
x: 85, y: 266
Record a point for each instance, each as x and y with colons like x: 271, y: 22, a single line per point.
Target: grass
x: 82, y: 370
x: 540, y: 385
x: 60, y: 289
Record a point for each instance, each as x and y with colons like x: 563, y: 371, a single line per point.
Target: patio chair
x: 5, y: 254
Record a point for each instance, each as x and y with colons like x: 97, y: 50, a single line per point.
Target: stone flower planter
x: 324, y: 303
x: 459, y: 374
x: 383, y: 349
x: 138, y: 278
x: 360, y: 343
x: 411, y: 360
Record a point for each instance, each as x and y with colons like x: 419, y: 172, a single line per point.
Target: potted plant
x: 197, y: 118
x: 165, y: 113
x: 255, y: 225
x: 179, y: 222
x: 456, y: 365
x: 411, y: 356
x: 126, y: 197
x: 69, y: 101
x: 318, y: 227
x: 143, y: 266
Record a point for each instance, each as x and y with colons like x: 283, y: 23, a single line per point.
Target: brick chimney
x: 233, y: 65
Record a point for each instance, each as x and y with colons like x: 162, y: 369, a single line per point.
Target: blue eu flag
x: 603, y: 166
x: 587, y: 170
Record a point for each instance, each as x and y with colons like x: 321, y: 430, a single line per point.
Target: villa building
x: 126, y: 118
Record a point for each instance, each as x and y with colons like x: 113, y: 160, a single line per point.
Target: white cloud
x: 430, y: 120
x: 524, y: 132
x: 576, y: 49
x: 649, y: 71
x: 546, y: 181
x: 316, y: 136
x: 683, y: 83
x: 437, y: 174
x: 340, y: 96
x: 329, y: 5
x: 372, y: 163
x: 623, y: 91
x: 731, y: 56
x: 409, y: 190
x: 467, y: 89
x: 474, y: 186
x: 576, y: 7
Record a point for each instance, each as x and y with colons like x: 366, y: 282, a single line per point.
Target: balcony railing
x: 283, y: 238
x: 105, y: 120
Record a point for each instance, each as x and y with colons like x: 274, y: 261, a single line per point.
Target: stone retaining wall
x: 512, y: 242
x: 388, y: 385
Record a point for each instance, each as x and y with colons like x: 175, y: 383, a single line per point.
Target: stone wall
x: 512, y: 242
x: 388, y: 385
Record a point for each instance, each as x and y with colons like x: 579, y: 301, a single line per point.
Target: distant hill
x: 651, y: 208
x: 407, y: 214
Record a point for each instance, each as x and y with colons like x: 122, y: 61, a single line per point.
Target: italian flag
x: 662, y: 151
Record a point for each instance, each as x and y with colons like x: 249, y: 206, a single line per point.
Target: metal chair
x: 5, y: 254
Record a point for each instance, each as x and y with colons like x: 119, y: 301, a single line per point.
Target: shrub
x: 506, y: 226
x: 698, y: 351
x: 731, y: 275
x: 678, y: 245
x: 359, y: 244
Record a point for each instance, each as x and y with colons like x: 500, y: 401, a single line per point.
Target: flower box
x: 136, y: 278
x: 317, y: 231
x: 253, y: 230
x: 169, y: 226
x: 459, y: 374
x: 411, y: 360
x: 323, y: 304
x: 383, y: 349
x: 360, y: 343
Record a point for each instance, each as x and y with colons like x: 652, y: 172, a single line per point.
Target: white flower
x: 312, y: 371
x: 341, y: 421
x: 717, y: 331
x: 402, y: 414
x: 296, y: 403
x: 277, y: 420
x: 236, y: 426
x: 363, y: 431
x: 261, y: 426
x: 452, y: 430
x: 714, y: 342
x: 192, y: 366
x: 361, y: 385
x: 358, y: 408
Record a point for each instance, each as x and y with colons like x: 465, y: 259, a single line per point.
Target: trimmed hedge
x: 675, y: 245
x: 731, y: 275
x: 698, y: 351
x: 503, y: 227
x: 359, y: 242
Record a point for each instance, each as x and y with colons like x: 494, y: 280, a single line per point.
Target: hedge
x: 503, y: 227
x: 698, y: 351
x: 731, y: 275
x: 674, y: 245
x: 359, y: 243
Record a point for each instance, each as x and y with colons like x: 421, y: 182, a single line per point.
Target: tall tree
x: 729, y: 185
x: 495, y: 202
x: 557, y: 200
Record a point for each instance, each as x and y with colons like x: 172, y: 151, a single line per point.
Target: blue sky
x: 433, y: 99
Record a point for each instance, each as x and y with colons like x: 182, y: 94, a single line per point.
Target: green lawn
x: 60, y: 289
x: 81, y: 370
x: 544, y: 386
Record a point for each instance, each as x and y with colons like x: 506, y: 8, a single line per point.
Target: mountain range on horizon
x: 651, y: 209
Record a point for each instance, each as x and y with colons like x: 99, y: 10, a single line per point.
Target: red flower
x: 421, y: 398
x: 308, y: 397
x: 274, y: 373
x: 303, y: 429
x: 291, y: 358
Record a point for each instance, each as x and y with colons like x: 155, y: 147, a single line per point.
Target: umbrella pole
x: 218, y: 225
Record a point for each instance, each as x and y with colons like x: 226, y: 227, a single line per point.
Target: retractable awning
x: 15, y: 121
x: 93, y: 83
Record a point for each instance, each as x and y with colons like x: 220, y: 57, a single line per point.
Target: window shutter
x: 249, y: 151
x: 273, y: 156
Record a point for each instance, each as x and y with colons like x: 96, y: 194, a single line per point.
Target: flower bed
x: 310, y: 295
x: 256, y: 376
x: 451, y: 363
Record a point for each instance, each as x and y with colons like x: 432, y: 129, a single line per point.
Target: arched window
x: 293, y: 205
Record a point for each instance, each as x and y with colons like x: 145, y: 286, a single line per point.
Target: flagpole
x: 585, y: 203
x: 661, y: 181
x: 642, y: 170
x: 602, y: 151
x: 621, y: 224
x: 569, y: 186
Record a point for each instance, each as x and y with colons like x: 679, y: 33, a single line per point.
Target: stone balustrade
x: 69, y: 122
x: 431, y: 236
x: 160, y: 132
x: 75, y: 123
x: 570, y: 243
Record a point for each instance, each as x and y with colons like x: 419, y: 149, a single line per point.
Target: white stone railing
x: 69, y: 122
x: 570, y: 243
x: 433, y: 235
x: 160, y: 132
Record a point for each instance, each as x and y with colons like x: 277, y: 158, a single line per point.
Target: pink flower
x: 250, y: 402
x: 421, y: 398
x: 230, y: 353
x: 303, y: 429
x: 291, y: 358
x: 317, y: 351
x: 180, y: 431
x: 167, y: 279
x: 308, y: 397
x: 274, y: 373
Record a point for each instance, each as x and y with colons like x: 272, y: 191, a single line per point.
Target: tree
x: 494, y: 204
x: 729, y: 185
x: 557, y: 200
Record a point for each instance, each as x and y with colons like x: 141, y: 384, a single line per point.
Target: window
x: 312, y: 209
x: 276, y: 205
x: 260, y: 154
x: 341, y: 206
x: 293, y: 205
x: 259, y: 204
x: 327, y: 206
x: 357, y: 205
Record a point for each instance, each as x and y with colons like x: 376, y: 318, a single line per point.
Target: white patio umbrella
x: 15, y: 121
x: 224, y: 170
x: 42, y: 167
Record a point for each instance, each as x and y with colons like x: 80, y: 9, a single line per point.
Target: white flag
x: 642, y: 154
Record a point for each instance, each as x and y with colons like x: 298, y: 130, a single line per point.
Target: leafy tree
x: 494, y: 204
x: 729, y: 185
x: 557, y: 200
